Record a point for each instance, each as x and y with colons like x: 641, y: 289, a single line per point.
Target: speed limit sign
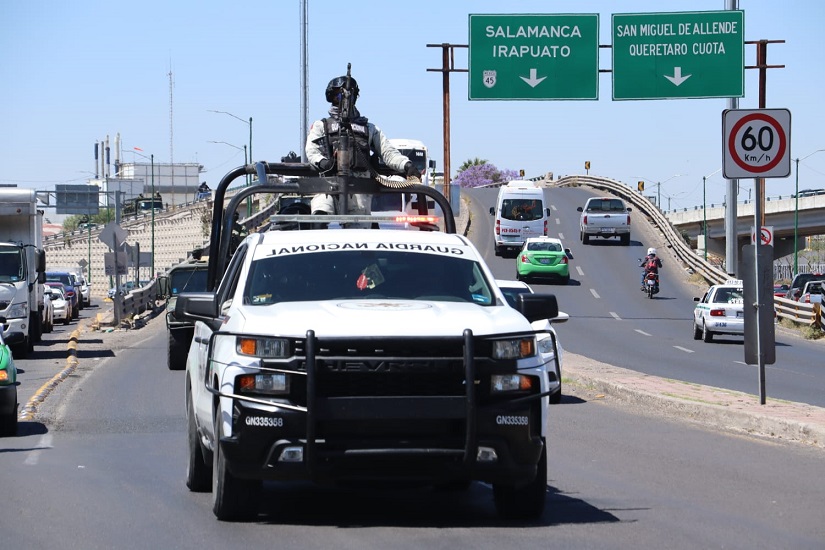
x: 756, y: 143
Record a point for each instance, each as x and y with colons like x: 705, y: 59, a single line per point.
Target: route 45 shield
x: 489, y: 78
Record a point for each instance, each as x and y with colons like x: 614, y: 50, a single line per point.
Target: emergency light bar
x: 353, y: 218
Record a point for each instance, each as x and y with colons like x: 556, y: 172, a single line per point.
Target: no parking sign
x: 767, y: 235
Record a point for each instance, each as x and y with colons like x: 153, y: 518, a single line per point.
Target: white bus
x: 417, y: 152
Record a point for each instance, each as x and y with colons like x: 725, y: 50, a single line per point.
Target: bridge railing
x: 674, y: 239
x: 809, y: 314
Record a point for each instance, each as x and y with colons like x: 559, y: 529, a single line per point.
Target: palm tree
x: 474, y: 162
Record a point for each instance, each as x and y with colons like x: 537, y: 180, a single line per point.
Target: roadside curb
x: 28, y: 412
x: 718, y: 408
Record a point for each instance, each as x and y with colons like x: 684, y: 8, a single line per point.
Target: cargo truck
x: 22, y: 267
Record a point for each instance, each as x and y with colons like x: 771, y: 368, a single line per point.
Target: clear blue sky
x: 74, y: 72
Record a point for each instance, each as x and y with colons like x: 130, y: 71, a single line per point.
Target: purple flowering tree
x: 478, y: 175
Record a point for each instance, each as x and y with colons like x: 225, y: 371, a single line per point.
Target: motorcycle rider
x: 651, y: 264
x: 323, y: 142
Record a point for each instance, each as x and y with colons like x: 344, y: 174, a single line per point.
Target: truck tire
x: 585, y: 238
x: 36, y: 323
x: 20, y: 351
x: 233, y: 499
x: 527, y: 501
x: 8, y: 423
x: 177, y: 348
x: 625, y: 240
x: 198, y: 473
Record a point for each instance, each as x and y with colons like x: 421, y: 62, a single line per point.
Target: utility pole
x: 447, y: 67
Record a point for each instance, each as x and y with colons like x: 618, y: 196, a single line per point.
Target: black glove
x: 325, y: 165
x: 410, y: 171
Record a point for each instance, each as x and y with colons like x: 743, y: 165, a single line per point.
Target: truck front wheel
x: 198, y: 474
x: 527, y: 501
x: 232, y: 498
x: 177, y: 347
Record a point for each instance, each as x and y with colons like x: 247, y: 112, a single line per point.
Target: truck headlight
x: 271, y: 383
x: 514, y: 349
x: 545, y: 345
x: 503, y: 383
x: 19, y: 310
x: 262, y: 347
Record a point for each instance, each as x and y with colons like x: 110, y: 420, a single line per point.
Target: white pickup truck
x: 604, y: 217
x: 351, y: 355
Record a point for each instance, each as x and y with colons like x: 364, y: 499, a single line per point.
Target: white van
x: 520, y: 214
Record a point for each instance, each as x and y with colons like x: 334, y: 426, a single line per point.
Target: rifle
x: 344, y: 132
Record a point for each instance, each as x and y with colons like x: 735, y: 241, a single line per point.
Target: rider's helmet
x: 336, y: 84
x: 651, y: 251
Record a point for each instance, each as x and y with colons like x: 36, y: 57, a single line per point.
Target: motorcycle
x: 651, y: 284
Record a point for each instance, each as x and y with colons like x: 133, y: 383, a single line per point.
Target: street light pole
x: 659, y: 190
x: 246, y: 160
x: 796, y: 215
x: 248, y: 180
x: 152, y: 164
x: 705, y: 210
x: 152, y: 272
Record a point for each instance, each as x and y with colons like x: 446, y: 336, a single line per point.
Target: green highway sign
x: 678, y: 55
x: 534, y: 56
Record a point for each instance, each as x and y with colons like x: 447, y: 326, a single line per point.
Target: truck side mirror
x: 492, y: 210
x: 40, y: 260
x: 163, y: 286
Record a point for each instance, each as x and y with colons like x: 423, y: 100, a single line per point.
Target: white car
x: 47, y: 319
x: 62, y: 307
x: 720, y: 311
x: 342, y: 355
x: 548, y: 342
x: 85, y: 291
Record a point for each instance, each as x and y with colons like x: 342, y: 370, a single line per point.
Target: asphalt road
x: 104, y: 468
x: 611, y: 321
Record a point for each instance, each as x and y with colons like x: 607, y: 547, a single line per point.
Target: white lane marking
x: 615, y: 315
x: 594, y: 293
x: 683, y: 349
x: 33, y: 457
x: 561, y: 236
x: 553, y: 206
x: 558, y: 221
x: 579, y: 271
x: 640, y: 331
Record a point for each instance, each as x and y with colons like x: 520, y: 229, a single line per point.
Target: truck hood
x: 335, y: 318
x: 8, y: 291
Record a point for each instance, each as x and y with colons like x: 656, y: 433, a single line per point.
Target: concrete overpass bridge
x: 779, y: 213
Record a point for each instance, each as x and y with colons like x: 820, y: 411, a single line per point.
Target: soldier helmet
x: 340, y: 82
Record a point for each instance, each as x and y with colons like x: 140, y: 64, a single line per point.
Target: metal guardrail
x: 135, y: 302
x: 810, y: 314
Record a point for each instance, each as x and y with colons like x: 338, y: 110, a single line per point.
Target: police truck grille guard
x: 344, y: 380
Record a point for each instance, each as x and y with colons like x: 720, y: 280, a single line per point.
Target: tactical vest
x: 361, y: 146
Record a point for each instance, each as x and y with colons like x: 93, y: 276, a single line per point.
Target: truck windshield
x: 12, y: 264
x: 188, y: 280
x: 387, y: 202
x: 417, y: 156
x: 606, y: 205
x: 363, y: 275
